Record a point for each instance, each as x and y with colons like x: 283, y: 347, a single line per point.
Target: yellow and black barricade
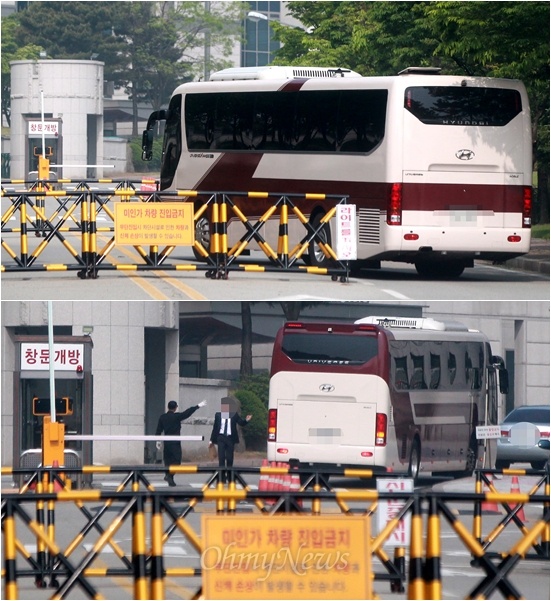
x: 74, y: 222
x: 152, y: 515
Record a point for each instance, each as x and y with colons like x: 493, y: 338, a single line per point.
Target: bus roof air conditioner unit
x: 248, y: 73
x: 412, y: 323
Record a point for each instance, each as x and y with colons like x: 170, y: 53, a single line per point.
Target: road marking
x: 396, y: 294
x: 188, y: 290
x: 150, y: 288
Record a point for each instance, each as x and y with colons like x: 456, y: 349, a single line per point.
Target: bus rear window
x: 439, y: 105
x: 329, y: 349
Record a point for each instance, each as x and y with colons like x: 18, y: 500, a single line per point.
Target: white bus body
x: 402, y: 395
x: 439, y: 166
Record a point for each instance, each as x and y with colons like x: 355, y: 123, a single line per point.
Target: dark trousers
x: 225, y: 453
x: 172, y: 453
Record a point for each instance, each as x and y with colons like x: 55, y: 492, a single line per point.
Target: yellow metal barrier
x: 64, y: 225
x: 155, y: 515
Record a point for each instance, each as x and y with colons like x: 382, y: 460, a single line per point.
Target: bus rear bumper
x: 467, y: 244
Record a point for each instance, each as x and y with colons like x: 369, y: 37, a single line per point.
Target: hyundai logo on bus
x: 327, y: 387
x: 465, y: 154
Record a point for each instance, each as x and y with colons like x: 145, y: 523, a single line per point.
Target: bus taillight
x: 272, y: 424
x: 394, y: 209
x: 527, y: 207
x: 380, y: 430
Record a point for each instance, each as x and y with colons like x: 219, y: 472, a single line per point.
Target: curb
x: 526, y: 264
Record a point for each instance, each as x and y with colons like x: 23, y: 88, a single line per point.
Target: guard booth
x: 73, y: 389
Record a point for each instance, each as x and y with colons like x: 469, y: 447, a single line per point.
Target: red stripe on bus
x: 236, y: 171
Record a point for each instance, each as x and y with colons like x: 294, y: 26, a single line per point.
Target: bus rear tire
x: 414, y: 460
x: 501, y: 464
x: 202, y: 235
x: 315, y: 257
x: 440, y: 270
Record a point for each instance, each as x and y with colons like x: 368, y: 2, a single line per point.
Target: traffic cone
x: 489, y: 507
x: 271, y: 486
x: 515, y: 489
x: 295, y: 487
x: 287, y: 483
x: 263, y: 482
x: 279, y: 477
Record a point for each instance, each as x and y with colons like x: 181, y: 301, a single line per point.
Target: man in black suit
x: 169, y: 424
x: 224, y: 432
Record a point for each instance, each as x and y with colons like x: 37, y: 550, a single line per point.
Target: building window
x: 259, y: 46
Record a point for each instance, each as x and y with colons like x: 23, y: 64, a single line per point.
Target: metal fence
x: 154, y: 515
x: 81, y: 221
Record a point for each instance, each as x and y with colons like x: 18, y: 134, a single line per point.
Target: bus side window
x: 452, y: 367
x: 435, y: 371
x: 401, y: 381
x: 417, y: 381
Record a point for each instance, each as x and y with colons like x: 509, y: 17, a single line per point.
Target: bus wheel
x: 502, y: 465
x: 414, y: 460
x: 471, y: 457
x: 316, y: 257
x: 440, y: 270
x: 202, y: 235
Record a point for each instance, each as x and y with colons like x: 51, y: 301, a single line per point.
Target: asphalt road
x: 393, y: 281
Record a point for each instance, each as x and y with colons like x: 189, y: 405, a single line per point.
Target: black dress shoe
x: 171, y: 483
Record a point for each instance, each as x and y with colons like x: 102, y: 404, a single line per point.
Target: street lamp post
x: 206, y: 73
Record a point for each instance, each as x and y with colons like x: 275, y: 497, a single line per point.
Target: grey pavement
x: 537, y: 260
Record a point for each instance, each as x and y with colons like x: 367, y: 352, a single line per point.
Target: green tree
x: 77, y: 30
x: 259, y: 384
x: 504, y: 39
x: 255, y: 431
x: 12, y: 51
x: 147, y: 47
x: 494, y: 39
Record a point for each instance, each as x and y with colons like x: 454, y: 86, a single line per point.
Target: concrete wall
x: 192, y: 391
x: 116, y: 152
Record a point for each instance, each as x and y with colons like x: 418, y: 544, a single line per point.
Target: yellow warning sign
x: 162, y: 224
x: 286, y: 557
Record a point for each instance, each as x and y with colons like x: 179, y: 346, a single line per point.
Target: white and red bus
x: 384, y: 393
x: 438, y: 166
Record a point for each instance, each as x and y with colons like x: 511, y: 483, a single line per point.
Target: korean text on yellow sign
x: 161, y: 224
x: 286, y: 557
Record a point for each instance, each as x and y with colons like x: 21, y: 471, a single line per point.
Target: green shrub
x: 541, y: 231
x: 257, y: 383
x: 255, y: 431
x: 141, y: 166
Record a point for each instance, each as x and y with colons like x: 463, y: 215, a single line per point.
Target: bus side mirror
x: 147, y: 145
x: 503, y: 376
